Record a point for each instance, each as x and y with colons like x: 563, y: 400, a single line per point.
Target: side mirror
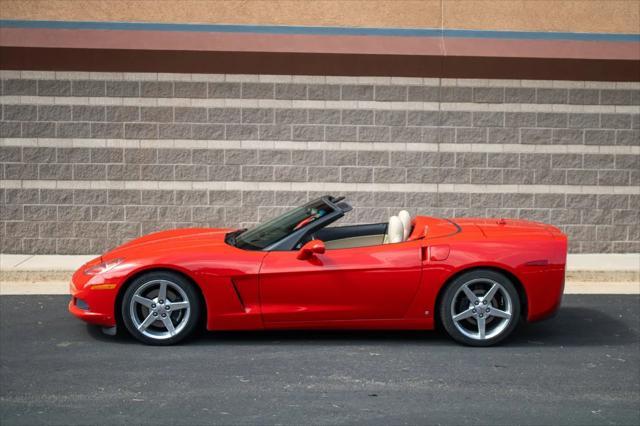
x: 311, y: 248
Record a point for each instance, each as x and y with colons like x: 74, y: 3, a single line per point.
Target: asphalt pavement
x: 580, y: 368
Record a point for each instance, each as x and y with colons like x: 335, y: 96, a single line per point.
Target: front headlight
x: 103, y: 267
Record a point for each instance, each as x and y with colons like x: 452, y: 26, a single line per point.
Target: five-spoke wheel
x: 480, y: 308
x: 160, y: 308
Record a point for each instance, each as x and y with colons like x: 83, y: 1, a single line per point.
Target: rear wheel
x: 480, y: 308
x: 160, y: 308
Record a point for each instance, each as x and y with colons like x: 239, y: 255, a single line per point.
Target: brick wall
x: 93, y: 159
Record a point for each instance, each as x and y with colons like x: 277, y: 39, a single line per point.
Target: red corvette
x: 476, y: 278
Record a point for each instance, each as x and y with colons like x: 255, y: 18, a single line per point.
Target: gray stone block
x: 174, y: 214
x: 341, y: 133
x: 123, y: 231
x: 308, y: 133
x: 224, y: 90
x: 565, y: 217
x: 157, y: 172
x: 123, y: 172
x: 471, y: 159
x: 39, y: 246
x: 352, y: 92
x: 17, y: 87
x: 88, y: 88
x: 175, y: 131
x: 552, y: 96
x: 489, y: 94
x: 123, y: 88
x: 55, y: 171
x: 174, y: 156
x: 39, y: 130
x: 584, y: 96
x: 54, y: 88
x: 517, y: 200
x: 223, y: 115
x: 503, y: 135
x: 373, y: 134
x: 156, y: 197
x: 257, y: 90
x: 140, y: 131
x: 190, y: 115
x: 123, y: 113
x: 156, y: 89
x: 21, y: 171
x: 389, y: 175
x: 356, y: 174
x: 118, y: 197
x: 89, y: 172
x: 597, y: 217
x: 566, y: 161
x: 107, y: 155
x: 74, y: 213
x: 257, y: 173
x: 291, y: 91
x: 599, y: 161
x: 107, y: 130
x: 20, y: 113
x: 486, y: 176
x: 191, y: 172
x: 630, y: 162
x: 307, y: 158
x: 258, y: 198
x: 520, y: 119
x: 535, y: 161
x: 290, y: 173
x: 208, y: 156
x: 423, y: 118
x: 373, y: 158
x: 89, y: 196
x: 390, y: 93
x: 423, y: 175
x: 74, y: 130
x: 224, y: 173
x: 10, y: 130
x: 208, y: 131
x: 455, y: 119
x: 291, y: 198
x: 88, y: 113
x: 357, y: 116
x: 552, y: 119
x: 340, y: 158
x: 471, y: 135
x: 613, y: 201
x: 323, y: 92
x: 390, y: 199
x: 520, y: 95
x: 257, y: 115
x: 192, y: 198
x: 620, y: 217
x: 550, y: 177
x: 550, y: 201
x: 628, y: 137
x: 54, y: 113
x: 291, y: 116
x: 274, y: 156
x: 535, y: 136
x: 405, y: 159
x: 406, y: 134
x: 615, y: 97
x: 568, y: 136
x: 321, y: 116
x: 38, y: 154
x: 613, y: 177
x: 456, y: 94
x: 615, y: 121
x: 584, y: 121
x: 225, y: 198
x: 40, y: 213
x: 241, y: 156
x: 156, y: 114
x: 241, y: 132
x: 56, y: 196
x: 189, y: 89
x: 10, y: 154
x: 423, y: 93
x: 390, y: 118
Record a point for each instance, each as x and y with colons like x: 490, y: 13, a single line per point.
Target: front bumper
x: 92, y: 299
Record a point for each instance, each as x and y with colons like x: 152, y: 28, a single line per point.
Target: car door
x: 376, y: 282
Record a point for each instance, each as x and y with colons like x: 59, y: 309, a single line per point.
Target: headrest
x: 395, y: 230
x: 405, y: 217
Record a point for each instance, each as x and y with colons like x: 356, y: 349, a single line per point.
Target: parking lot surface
x: 580, y: 368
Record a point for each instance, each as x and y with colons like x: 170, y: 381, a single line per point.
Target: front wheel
x: 160, y: 308
x: 480, y: 308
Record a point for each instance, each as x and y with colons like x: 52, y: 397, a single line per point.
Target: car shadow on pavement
x: 572, y: 326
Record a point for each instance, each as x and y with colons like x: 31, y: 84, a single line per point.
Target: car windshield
x: 276, y: 229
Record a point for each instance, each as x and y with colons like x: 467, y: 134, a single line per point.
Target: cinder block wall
x: 90, y: 160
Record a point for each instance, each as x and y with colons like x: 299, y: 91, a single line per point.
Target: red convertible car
x: 475, y: 278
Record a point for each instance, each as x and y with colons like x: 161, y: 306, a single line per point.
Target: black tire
x: 178, y: 290
x: 478, y: 280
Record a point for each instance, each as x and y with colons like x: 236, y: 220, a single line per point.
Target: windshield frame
x: 289, y: 241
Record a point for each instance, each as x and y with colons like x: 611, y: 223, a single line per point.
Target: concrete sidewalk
x: 586, y: 273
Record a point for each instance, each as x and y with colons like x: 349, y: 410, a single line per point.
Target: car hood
x: 173, y: 240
